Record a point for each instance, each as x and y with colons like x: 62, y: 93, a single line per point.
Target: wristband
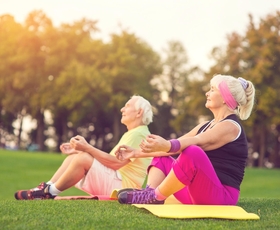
x: 175, y: 146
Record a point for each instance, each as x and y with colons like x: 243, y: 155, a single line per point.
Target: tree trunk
x: 275, y: 158
x: 20, y: 117
x: 40, y: 139
x: 255, y: 145
x: 262, y: 145
x: 61, y: 129
x: 116, y: 128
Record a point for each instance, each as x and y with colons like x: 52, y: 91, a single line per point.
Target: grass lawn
x: 260, y: 194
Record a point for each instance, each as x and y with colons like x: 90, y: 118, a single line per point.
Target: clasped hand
x: 79, y: 143
x: 67, y: 149
x: 125, y: 152
x: 152, y: 143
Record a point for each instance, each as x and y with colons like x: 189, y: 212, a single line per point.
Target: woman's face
x: 214, y: 98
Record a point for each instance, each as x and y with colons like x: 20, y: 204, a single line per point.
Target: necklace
x: 213, y: 123
x: 208, y: 126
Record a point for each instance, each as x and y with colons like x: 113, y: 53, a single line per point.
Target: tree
x: 12, y: 102
x: 98, y: 80
x: 177, y: 91
x: 131, y: 64
x: 256, y: 56
x: 70, y: 49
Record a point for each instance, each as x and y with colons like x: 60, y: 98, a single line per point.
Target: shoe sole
x: 125, y: 190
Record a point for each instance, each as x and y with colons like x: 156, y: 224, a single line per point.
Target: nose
x: 122, y: 109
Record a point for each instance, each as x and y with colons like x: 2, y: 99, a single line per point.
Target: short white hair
x: 142, y: 103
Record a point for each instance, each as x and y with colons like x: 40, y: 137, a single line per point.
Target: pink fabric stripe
x: 227, y: 96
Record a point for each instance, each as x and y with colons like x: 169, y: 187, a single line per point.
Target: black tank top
x: 229, y: 161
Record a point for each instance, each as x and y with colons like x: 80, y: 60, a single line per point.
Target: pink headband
x: 227, y: 96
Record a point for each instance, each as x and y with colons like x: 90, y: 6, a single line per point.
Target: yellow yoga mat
x: 172, y: 208
x: 181, y: 211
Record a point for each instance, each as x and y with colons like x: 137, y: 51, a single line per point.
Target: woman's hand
x: 155, y: 143
x: 125, y: 152
x: 66, y: 148
x: 79, y: 143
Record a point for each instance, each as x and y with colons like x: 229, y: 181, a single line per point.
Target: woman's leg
x: 155, y: 177
x: 194, y: 170
x: 166, y: 189
x: 160, y: 168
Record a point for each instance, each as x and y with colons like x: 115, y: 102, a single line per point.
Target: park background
x: 67, y: 67
x: 66, y: 78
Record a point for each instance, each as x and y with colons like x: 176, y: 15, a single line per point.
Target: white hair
x: 142, y: 103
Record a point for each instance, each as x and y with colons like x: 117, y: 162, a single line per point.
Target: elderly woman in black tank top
x: 211, y: 163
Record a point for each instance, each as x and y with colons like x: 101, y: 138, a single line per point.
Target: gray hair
x: 142, y: 103
x: 243, y: 92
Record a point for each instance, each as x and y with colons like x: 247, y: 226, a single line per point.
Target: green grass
x: 23, y: 170
x: 260, y: 194
x: 261, y: 183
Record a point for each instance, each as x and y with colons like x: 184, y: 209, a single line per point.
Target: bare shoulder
x: 229, y: 125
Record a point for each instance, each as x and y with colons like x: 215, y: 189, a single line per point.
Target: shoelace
x: 143, y: 197
x: 41, y: 186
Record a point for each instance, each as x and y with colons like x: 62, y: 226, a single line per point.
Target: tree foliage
x: 83, y: 82
x: 76, y: 77
x: 255, y: 56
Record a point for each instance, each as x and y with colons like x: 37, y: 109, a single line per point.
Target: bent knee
x: 84, y: 159
x: 193, y: 151
x: 192, y: 148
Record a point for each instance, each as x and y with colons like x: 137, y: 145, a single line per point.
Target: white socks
x: 53, y: 190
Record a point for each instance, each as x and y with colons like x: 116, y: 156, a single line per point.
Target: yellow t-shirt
x: 134, y: 173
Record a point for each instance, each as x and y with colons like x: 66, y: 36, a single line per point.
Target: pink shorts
x: 100, y: 180
x: 194, y: 169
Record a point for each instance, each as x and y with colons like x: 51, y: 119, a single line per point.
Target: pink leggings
x: 194, y: 169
